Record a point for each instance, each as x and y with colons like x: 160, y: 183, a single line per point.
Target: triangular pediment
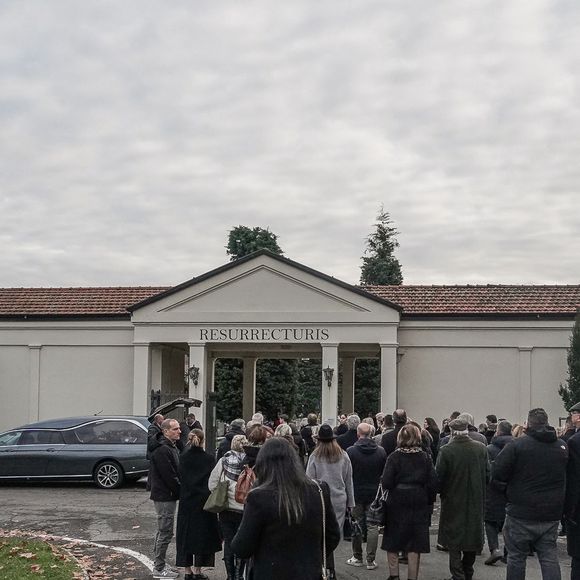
x: 259, y: 287
x: 264, y: 289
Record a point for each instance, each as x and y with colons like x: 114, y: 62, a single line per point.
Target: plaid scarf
x: 232, y: 464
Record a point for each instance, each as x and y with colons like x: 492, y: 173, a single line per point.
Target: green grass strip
x: 24, y: 559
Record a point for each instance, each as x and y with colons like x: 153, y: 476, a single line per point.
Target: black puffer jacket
x: 164, y: 472
x: 368, y: 461
x: 495, y: 500
x: 533, y: 471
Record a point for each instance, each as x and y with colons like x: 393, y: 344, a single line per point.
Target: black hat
x: 325, y: 433
x: 576, y: 408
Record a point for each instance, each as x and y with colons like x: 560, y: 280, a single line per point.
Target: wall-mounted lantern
x: 328, y: 374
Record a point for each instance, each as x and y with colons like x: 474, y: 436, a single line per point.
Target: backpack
x: 244, y: 484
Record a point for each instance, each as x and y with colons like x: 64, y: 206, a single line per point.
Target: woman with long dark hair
x: 283, y: 525
x: 197, y: 537
x: 431, y: 426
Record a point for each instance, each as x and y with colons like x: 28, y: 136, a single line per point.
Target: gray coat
x: 338, y: 476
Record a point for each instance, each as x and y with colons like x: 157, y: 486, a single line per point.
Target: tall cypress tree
x: 379, y: 267
x: 570, y: 392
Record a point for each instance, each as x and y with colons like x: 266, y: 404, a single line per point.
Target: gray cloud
x: 135, y: 135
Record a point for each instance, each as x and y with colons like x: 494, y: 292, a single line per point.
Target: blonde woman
x: 229, y: 467
x: 410, y: 477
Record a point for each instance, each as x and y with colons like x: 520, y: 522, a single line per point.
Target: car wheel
x: 109, y: 475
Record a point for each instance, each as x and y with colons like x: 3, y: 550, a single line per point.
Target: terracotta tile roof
x: 482, y: 300
x: 415, y: 300
x: 85, y: 302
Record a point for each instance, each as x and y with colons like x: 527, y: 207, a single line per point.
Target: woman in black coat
x: 197, y: 537
x: 411, y: 479
x: 431, y: 426
x: 282, y: 526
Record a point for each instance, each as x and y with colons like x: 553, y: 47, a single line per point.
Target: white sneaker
x: 355, y: 562
x: 167, y: 572
x: 372, y: 565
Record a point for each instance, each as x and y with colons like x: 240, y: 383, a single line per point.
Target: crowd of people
x: 307, y: 485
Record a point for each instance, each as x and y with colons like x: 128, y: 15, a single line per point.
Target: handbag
x: 324, y: 573
x: 376, y: 511
x: 218, y: 499
x: 351, y: 524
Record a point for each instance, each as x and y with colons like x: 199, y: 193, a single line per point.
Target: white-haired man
x: 349, y: 438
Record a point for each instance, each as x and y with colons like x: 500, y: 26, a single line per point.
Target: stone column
x: 348, y: 379
x: 329, y: 395
x: 249, y: 389
x: 525, y: 387
x: 34, y: 382
x: 197, y: 358
x: 388, y: 377
x: 156, y: 367
x: 141, y: 378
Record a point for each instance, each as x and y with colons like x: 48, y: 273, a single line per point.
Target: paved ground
x: 125, y: 518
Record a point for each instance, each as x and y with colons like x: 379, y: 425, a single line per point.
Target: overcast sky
x: 134, y: 135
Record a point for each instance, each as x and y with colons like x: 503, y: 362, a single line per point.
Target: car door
x: 33, y: 451
x: 8, y: 445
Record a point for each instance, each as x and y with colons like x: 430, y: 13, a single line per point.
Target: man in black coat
x: 532, y: 469
x: 349, y: 438
x: 495, y: 501
x: 237, y: 427
x: 368, y: 461
x: 154, y: 434
x: 164, y: 482
x: 572, y: 502
x: 389, y: 440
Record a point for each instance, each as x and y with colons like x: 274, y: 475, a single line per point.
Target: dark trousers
x: 492, y: 531
x: 230, y: 521
x: 520, y: 536
x: 461, y: 564
x: 575, y: 574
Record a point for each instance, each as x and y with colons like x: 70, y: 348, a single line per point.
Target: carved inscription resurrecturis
x: 263, y: 334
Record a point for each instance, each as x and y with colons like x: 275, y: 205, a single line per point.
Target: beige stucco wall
x: 500, y: 367
x: 14, y: 385
x: 55, y: 369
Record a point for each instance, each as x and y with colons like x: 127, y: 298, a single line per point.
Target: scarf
x: 232, y: 464
x: 409, y: 449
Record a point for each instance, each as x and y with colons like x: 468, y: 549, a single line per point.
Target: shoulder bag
x: 376, y: 511
x: 324, y: 574
x: 244, y: 484
x: 218, y: 499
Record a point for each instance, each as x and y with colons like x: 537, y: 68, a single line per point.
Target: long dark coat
x: 197, y: 530
x: 572, y: 503
x: 463, y: 472
x: 412, y: 484
x: 495, y: 499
